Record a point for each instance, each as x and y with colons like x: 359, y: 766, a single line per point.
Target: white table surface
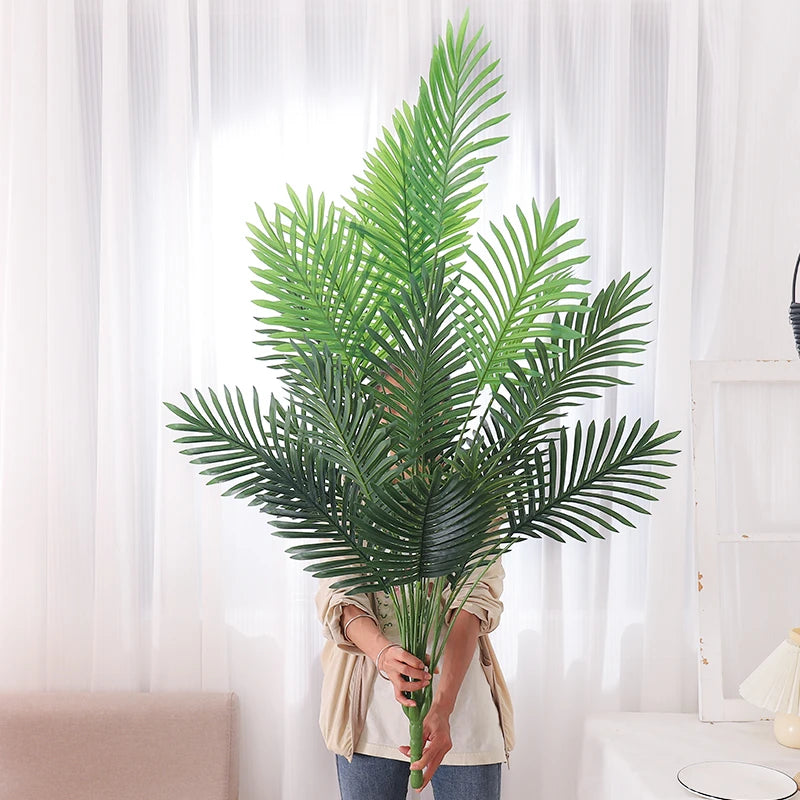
x: 636, y: 756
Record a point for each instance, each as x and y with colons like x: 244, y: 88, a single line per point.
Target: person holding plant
x: 424, y: 427
x: 468, y: 730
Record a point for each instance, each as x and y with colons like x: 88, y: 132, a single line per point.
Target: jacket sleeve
x: 329, y: 611
x: 484, y: 602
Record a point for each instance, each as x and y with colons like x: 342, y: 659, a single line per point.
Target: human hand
x: 406, y: 672
x: 436, y: 743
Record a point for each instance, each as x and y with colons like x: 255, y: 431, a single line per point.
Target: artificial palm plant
x: 427, y: 380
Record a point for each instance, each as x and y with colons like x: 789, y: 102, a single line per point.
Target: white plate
x: 734, y: 780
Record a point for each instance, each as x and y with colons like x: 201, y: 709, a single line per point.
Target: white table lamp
x: 775, y: 685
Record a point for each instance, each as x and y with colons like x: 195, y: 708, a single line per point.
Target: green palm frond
x: 440, y: 519
x: 532, y: 396
x: 420, y: 370
x: 421, y: 182
x: 224, y: 439
x: 348, y: 424
x: 277, y: 461
x: 603, y: 342
x: 382, y: 203
x: 449, y: 138
x: 570, y: 490
x: 312, y: 500
x: 509, y: 304
x: 301, y: 488
x: 320, y: 286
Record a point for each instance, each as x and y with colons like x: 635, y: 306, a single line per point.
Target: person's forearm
x: 363, y: 632
x: 458, y: 654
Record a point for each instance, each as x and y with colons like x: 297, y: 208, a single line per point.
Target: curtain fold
x: 135, y: 138
x: 23, y: 445
x: 667, y: 674
x: 68, y: 289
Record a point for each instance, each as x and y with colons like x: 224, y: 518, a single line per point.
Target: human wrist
x: 442, y: 704
x: 362, y: 631
x: 379, y: 656
x: 374, y: 645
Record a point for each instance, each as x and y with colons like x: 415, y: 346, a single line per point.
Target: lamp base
x: 787, y: 730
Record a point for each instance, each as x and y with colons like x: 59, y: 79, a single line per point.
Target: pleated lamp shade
x: 775, y: 685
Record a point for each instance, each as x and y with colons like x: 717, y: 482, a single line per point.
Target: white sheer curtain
x: 135, y: 136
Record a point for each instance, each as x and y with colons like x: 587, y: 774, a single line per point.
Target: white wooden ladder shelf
x: 746, y: 455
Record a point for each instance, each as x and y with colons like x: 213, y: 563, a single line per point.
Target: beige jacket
x: 348, y: 674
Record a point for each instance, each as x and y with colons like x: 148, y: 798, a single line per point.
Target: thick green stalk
x: 416, y: 717
x: 415, y: 720
x: 414, y: 629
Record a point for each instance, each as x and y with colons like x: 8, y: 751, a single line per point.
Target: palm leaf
x: 347, y: 424
x: 510, y: 300
x: 438, y: 521
x: 314, y: 501
x: 224, y: 439
x: 320, y: 286
x: 570, y: 490
x: 276, y: 463
x: 530, y: 398
x: 420, y: 370
x: 421, y: 182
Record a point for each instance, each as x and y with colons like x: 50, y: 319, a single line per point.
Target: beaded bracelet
x: 344, y: 630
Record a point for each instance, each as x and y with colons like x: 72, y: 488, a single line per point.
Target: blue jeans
x: 372, y: 778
